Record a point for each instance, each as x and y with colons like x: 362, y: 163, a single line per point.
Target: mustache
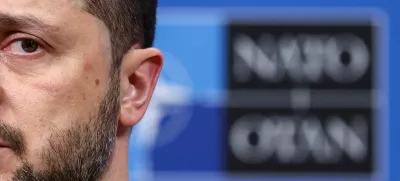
x: 13, y: 137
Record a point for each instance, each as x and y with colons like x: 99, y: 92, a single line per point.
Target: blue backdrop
x: 195, y: 39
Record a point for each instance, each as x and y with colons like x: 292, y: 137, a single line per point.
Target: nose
x: 2, y: 92
x: 4, y: 83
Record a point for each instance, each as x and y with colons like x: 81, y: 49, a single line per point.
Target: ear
x: 140, y: 70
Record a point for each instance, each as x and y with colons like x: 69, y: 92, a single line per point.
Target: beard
x: 79, y: 153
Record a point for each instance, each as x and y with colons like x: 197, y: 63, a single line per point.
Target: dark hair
x: 129, y: 22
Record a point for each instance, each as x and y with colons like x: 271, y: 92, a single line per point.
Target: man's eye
x: 24, y: 46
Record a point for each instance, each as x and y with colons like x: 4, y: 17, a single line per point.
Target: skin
x: 62, y: 83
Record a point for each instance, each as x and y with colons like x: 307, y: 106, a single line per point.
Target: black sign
x: 301, y: 97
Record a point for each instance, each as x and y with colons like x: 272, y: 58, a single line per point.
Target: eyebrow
x: 25, y: 22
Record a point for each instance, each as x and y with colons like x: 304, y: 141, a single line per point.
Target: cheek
x: 42, y: 114
x: 40, y: 108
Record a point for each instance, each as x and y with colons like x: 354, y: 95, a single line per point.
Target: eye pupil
x: 29, y: 46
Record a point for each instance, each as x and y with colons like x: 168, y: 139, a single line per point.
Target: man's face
x: 58, y: 110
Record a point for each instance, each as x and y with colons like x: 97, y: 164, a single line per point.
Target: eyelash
x: 18, y: 36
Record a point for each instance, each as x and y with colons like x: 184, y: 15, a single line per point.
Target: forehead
x: 49, y: 5
x: 56, y: 12
x: 67, y: 15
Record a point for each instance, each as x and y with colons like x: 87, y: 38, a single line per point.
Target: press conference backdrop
x: 263, y: 94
